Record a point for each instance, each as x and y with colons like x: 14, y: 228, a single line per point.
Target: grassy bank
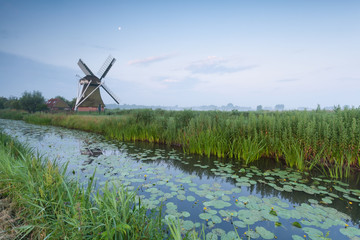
x: 51, y: 206
x: 302, y: 139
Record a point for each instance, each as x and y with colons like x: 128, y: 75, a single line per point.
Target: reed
x: 52, y: 206
x: 299, y: 138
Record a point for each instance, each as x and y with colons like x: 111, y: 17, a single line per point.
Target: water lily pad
x: 236, y: 190
x: 211, y: 236
x: 205, y: 216
x: 190, y: 198
x: 252, y: 234
x: 216, y: 219
x: 326, y: 200
x: 313, y: 201
x: 340, y: 189
x: 185, y: 214
x: 264, y: 233
x: 270, y: 178
x: 219, y: 204
x: 188, y: 225
x: 181, y: 197
x: 350, y: 198
x: 232, y: 235
x: 313, y: 233
x: 350, y: 232
x: 212, y: 211
x: 225, y: 198
x: 219, y: 232
x: 171, y: 205
x: 210, y: 196
x: 297, y: 237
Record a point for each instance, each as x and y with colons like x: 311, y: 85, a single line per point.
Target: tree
x: 259, y: 108
x: 279, y: 107
x: 12, y: 103
x: 33, y: 102
x: 72, y: 103
x: 2, y: 102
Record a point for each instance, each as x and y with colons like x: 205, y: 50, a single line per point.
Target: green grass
x: 52, y: 206
x: 302, y: 139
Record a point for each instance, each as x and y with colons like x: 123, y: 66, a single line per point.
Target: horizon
x: 299, y: 54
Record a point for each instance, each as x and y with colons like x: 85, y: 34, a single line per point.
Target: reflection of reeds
x: 53, y: 207
x: 302, y: 138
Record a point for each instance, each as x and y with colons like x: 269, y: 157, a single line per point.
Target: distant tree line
x: 30, y: 101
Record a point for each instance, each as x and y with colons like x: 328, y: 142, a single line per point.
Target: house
x: 57, y: 105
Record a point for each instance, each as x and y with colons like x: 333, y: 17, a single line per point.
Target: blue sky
x: 186, y: 53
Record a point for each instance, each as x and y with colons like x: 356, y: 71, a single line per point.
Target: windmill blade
x: 85, y: 68
x: 106, y: 88
x: 106, y: 67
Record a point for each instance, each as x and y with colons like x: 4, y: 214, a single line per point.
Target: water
x: 263, y: 200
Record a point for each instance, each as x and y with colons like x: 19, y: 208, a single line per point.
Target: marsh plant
x: 326, y: 140
x: 52, y: 206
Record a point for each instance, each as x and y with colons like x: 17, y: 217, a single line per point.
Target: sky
x: 186, y: 53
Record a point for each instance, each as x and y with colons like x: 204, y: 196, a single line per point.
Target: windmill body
x: 89, y: 97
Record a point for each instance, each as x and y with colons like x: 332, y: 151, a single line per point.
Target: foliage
x: 32, y: 102
x: 2, y: 102
x: 11, y: 103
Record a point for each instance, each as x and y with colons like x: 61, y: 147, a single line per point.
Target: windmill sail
x: 116, y: 99
x: 84, y: 68
x: 106, y: 67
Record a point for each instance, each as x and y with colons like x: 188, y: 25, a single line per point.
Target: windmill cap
x: 94, y: 80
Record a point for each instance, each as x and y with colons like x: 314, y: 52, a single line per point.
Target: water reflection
x: 92, y: 152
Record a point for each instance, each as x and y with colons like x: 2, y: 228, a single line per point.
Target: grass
x: 306, y: 140
x: 51, y: 206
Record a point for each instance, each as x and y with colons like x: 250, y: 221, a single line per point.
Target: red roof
x: 56, y: 103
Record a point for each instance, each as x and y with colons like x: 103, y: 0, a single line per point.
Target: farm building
x: 57, y: 105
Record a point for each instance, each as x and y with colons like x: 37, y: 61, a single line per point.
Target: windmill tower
x: 89, y: 98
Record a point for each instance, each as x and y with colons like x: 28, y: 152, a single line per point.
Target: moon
x: 119, y: 28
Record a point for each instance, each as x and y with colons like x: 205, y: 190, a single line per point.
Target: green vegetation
x: 29, y: 101
x: 33, y: 102
x: 302, y: 139
x: 51, y: 206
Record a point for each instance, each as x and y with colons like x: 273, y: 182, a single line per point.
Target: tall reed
x: 54, y: 207
x: 300, y: 138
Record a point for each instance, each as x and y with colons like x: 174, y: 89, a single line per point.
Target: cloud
x: 176, y: 83
x: 171, y: 80
x: 288, y: 80
x: 104, y: 48
x: 352, y: 79
x: 149, y: 60
x: 213, y: 64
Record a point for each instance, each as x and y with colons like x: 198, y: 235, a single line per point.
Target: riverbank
x: 39, y: 201
x: 301, y: 139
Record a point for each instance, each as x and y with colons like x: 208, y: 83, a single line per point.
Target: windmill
x: 89, y: 98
